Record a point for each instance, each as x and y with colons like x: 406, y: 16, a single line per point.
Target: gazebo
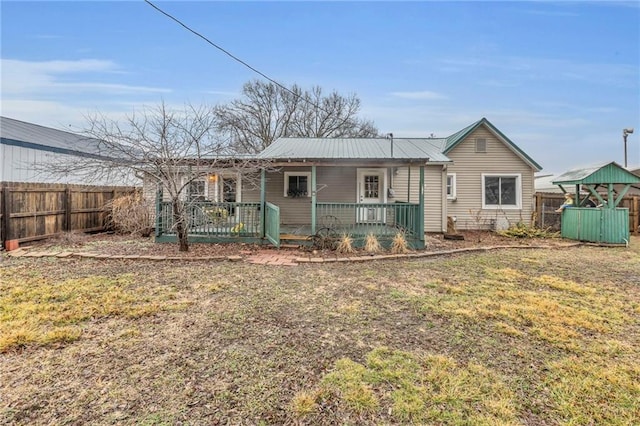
x: 607, y: 223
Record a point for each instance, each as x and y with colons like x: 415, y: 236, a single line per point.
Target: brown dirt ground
x: 112, y: 244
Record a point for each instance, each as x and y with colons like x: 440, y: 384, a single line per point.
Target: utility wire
x: 235, y: 58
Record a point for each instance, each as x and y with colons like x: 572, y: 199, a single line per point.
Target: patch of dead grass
x: 36, y: 310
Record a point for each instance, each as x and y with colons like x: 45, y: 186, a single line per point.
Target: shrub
x: 522, y: 230
x: 371, y: 244
x: 345, y: 245
x: 130, y: 215
x: 399, y: 244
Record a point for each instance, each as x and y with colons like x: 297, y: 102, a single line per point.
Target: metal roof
x: 20, y: 133
x: 453, y: 140
x: 423, y: 149
x: 597, y: 174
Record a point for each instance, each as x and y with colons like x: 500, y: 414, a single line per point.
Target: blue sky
x: 560, y: 79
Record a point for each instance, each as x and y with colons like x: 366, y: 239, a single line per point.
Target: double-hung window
x: 297, y: 184
x: 451, y: 186
x: 501, y: 191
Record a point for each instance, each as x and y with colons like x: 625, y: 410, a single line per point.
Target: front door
x: 371, y: 190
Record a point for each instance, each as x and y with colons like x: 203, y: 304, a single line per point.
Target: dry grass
x: 399, y: 244
x: 505, y: 337
x: 413, y: 388
x: 37, y: 310
x: 371, y: 244
x: 345, y: 245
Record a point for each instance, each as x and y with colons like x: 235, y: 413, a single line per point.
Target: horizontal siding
x: 469, y: 167
x: 433, y: 177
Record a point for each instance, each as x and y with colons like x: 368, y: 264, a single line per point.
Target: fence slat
x: 37, y: 211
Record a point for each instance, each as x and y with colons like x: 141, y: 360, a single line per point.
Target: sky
x: 559, y: 79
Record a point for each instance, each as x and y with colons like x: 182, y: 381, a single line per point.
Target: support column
x: 263, y: 201
x: 421, y: 204
x: 314, y: 199
x: 159, y: 212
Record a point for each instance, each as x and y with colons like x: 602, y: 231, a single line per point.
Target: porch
x: 261, y: 222
x: 244, y: 222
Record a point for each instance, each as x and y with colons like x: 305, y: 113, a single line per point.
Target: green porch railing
x: 213, y: 219
x: 360, y: 220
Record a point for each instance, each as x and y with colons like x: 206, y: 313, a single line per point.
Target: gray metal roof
x: 20, y: 133
x: 600, y: 173
x: 424, y: 149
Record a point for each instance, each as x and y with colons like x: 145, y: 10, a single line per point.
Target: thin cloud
x: 21, y: 78
x: 421, y: 95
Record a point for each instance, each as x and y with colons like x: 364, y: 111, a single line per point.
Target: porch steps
x: 293, y: 237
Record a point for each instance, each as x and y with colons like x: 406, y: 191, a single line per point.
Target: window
x: 481, y: 145
x: 297, y: 184
x: 197, y: 190
x: 501, y: 192
x: 451, y: 186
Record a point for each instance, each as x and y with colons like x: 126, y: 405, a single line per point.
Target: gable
x: 496, y: 156
x: 468, y: 132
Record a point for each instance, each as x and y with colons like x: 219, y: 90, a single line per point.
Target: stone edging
x: 424, y: 254
x: 304, y: 260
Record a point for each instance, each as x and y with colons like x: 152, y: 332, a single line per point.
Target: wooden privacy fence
x: 546, y: 204
x: 31, y: 212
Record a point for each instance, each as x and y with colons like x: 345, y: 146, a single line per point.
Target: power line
x: 226, y: 52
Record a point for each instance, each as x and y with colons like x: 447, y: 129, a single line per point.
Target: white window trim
x: 518, y: 206
x: 453, y: 194
x: 220, y: 185
x: 185, y: 191
x: 286, y: 182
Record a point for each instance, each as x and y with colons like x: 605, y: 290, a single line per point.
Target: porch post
x: 314, y: 199
x: 421, y: 204
x: 159, y: 212
x: 263, y: 200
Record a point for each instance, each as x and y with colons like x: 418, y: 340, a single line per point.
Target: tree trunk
x: 181, y: 229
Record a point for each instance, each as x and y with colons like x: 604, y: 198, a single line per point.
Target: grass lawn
x: 498, y: 338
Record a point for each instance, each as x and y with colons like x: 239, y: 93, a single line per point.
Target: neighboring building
x: 26, y: 149
x: 477, y: 176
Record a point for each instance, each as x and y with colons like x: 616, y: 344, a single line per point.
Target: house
x: 27, y: 148
x: 376, y: 185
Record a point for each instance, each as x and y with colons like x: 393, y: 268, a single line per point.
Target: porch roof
x: 387, y: 149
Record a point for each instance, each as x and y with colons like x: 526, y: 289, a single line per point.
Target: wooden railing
x: 359, y: 220
x: 212, y: 219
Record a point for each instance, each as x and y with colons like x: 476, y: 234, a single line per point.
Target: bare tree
x: 267, y: 112
x: 171, y: 148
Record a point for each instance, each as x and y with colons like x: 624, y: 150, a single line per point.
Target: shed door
x: 371, y: 190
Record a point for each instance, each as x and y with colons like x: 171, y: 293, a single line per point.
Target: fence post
x: 539, y: 211
x: 6, y: 215
x: 67, y: 209
x: 636, y: 215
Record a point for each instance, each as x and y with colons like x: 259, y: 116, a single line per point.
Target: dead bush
x: 399, y: 244
x: 371, y: 244
x: 129, y: 214
x: 345, y: 245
